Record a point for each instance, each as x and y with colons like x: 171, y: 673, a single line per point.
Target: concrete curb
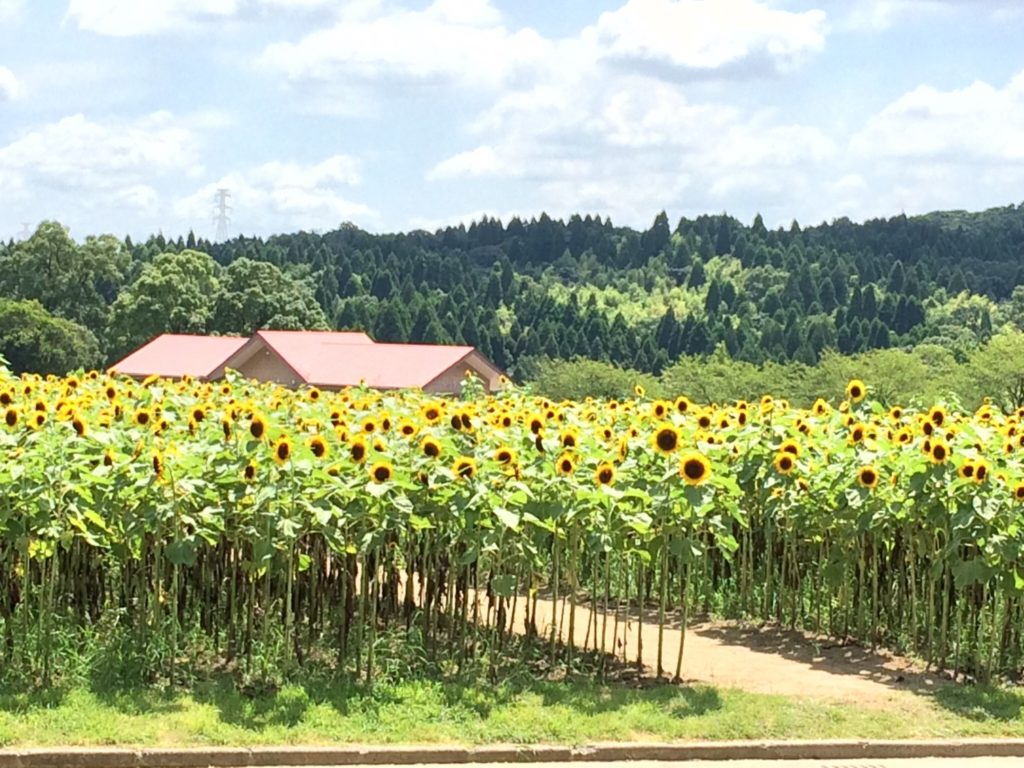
x: 229, y: 757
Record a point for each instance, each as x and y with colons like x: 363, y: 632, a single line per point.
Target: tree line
x: 529, y: 291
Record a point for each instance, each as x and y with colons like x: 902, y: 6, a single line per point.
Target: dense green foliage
x: 926, y: 373
x: 547, y: 288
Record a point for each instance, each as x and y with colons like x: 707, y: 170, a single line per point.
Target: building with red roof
x: 176, y: 355
x: 324, y: 359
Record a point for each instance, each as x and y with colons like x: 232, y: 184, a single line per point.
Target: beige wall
x: 449, y: 381
x: 266, y: 366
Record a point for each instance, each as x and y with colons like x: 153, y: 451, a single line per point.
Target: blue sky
x: 125, y: 116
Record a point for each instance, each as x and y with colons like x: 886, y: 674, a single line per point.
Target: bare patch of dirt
x: 757, y: 659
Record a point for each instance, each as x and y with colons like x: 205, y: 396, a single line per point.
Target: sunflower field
x: 249, y: 524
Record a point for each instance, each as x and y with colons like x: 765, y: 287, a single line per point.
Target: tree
x: 257, y: 294
x: 176, y: 293
x: 69, y: 280
x: 33, y: 340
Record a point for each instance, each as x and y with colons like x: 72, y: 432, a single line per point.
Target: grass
x: 526, y: 711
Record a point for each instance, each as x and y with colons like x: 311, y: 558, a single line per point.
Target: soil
x: 759, y: 659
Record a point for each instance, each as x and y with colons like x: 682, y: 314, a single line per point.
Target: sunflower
x: 318, y: 446
x: 867, y: 476
x: 11, y: 417
x: 569, y: 438
x: 504, y: 456
x: 604, y: 474
x: 79, y: 425
x: 357, y: 450
x: 790, y: 446
x: 198, y: 414
x: 381, y: 472
x: 784, y: 463
x: 981, y: 471
x: 660, y: 408
x: 683, y: 404
x: 38, y: 420
x: 431, y: 412
x: 694, y: 468
x: 464, y: 467
x: 536, y: 424
x: 857, y: 433
x: 282, y: 448
x: 639, y: 391
x: 966, y: 470
x: 142, y: 417
x: 855, y: 390
x: 1018, y: 492
x: 108, y: 458
x: 895, y: 413
x: 904, y: 436
x: 258, y: 426
x: 938, y: 452
x: 704, y: 420
x: 430, y: 447
x: 225, y: 425
x: 407, y: 429
x: 666, y: 440
x: 937, y: 415
x: 157, y: 463
x: 821, y: 408
x: 249, y: 473
x: 565, y: 465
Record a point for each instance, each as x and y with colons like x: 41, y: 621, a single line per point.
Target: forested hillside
x: 529, y: 290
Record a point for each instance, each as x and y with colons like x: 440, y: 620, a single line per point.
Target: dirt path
x: 760, y: 660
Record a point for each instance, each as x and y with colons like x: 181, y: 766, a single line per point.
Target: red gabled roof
x: 302, y: 350
x: 177, y: 355
x: 383, y: 366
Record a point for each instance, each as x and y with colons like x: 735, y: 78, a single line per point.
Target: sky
x: 126, y: 116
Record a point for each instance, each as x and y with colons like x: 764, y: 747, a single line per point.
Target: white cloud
x: 10, y: 10
x: 976, y: 124
x: 703, y: 35
x: 9, y: 86
x: 81, y: 154
x: 460, y: 41
x: 283, y: 196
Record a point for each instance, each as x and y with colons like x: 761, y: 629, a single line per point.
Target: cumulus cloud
x: 701, y: 35
x: 461, y: 41
x: 284, y: 196
x: 87, y: 155
x: 9, y: 86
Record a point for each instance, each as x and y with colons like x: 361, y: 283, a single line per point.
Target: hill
x: 543, y: 288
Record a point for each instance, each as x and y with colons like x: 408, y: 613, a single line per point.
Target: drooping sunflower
x: 569, y: 438
x: 258, y: 426
x: 249, y: 473
x: 156, y: 461
x: 79, y: 425
x: 666, y: 439
x: 867, y: 476
x: 381, y: 472
x: 318, y: 446
x: 464, y: 467
x: 282, y: 449
x: 11, y: 417
x: 1018, y: 492
x: 856, y: 391
x: 604, y: 474
x: 784, y: 463
x: 694, y: 468
x: 981, y: 471
x: 430, y: 447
